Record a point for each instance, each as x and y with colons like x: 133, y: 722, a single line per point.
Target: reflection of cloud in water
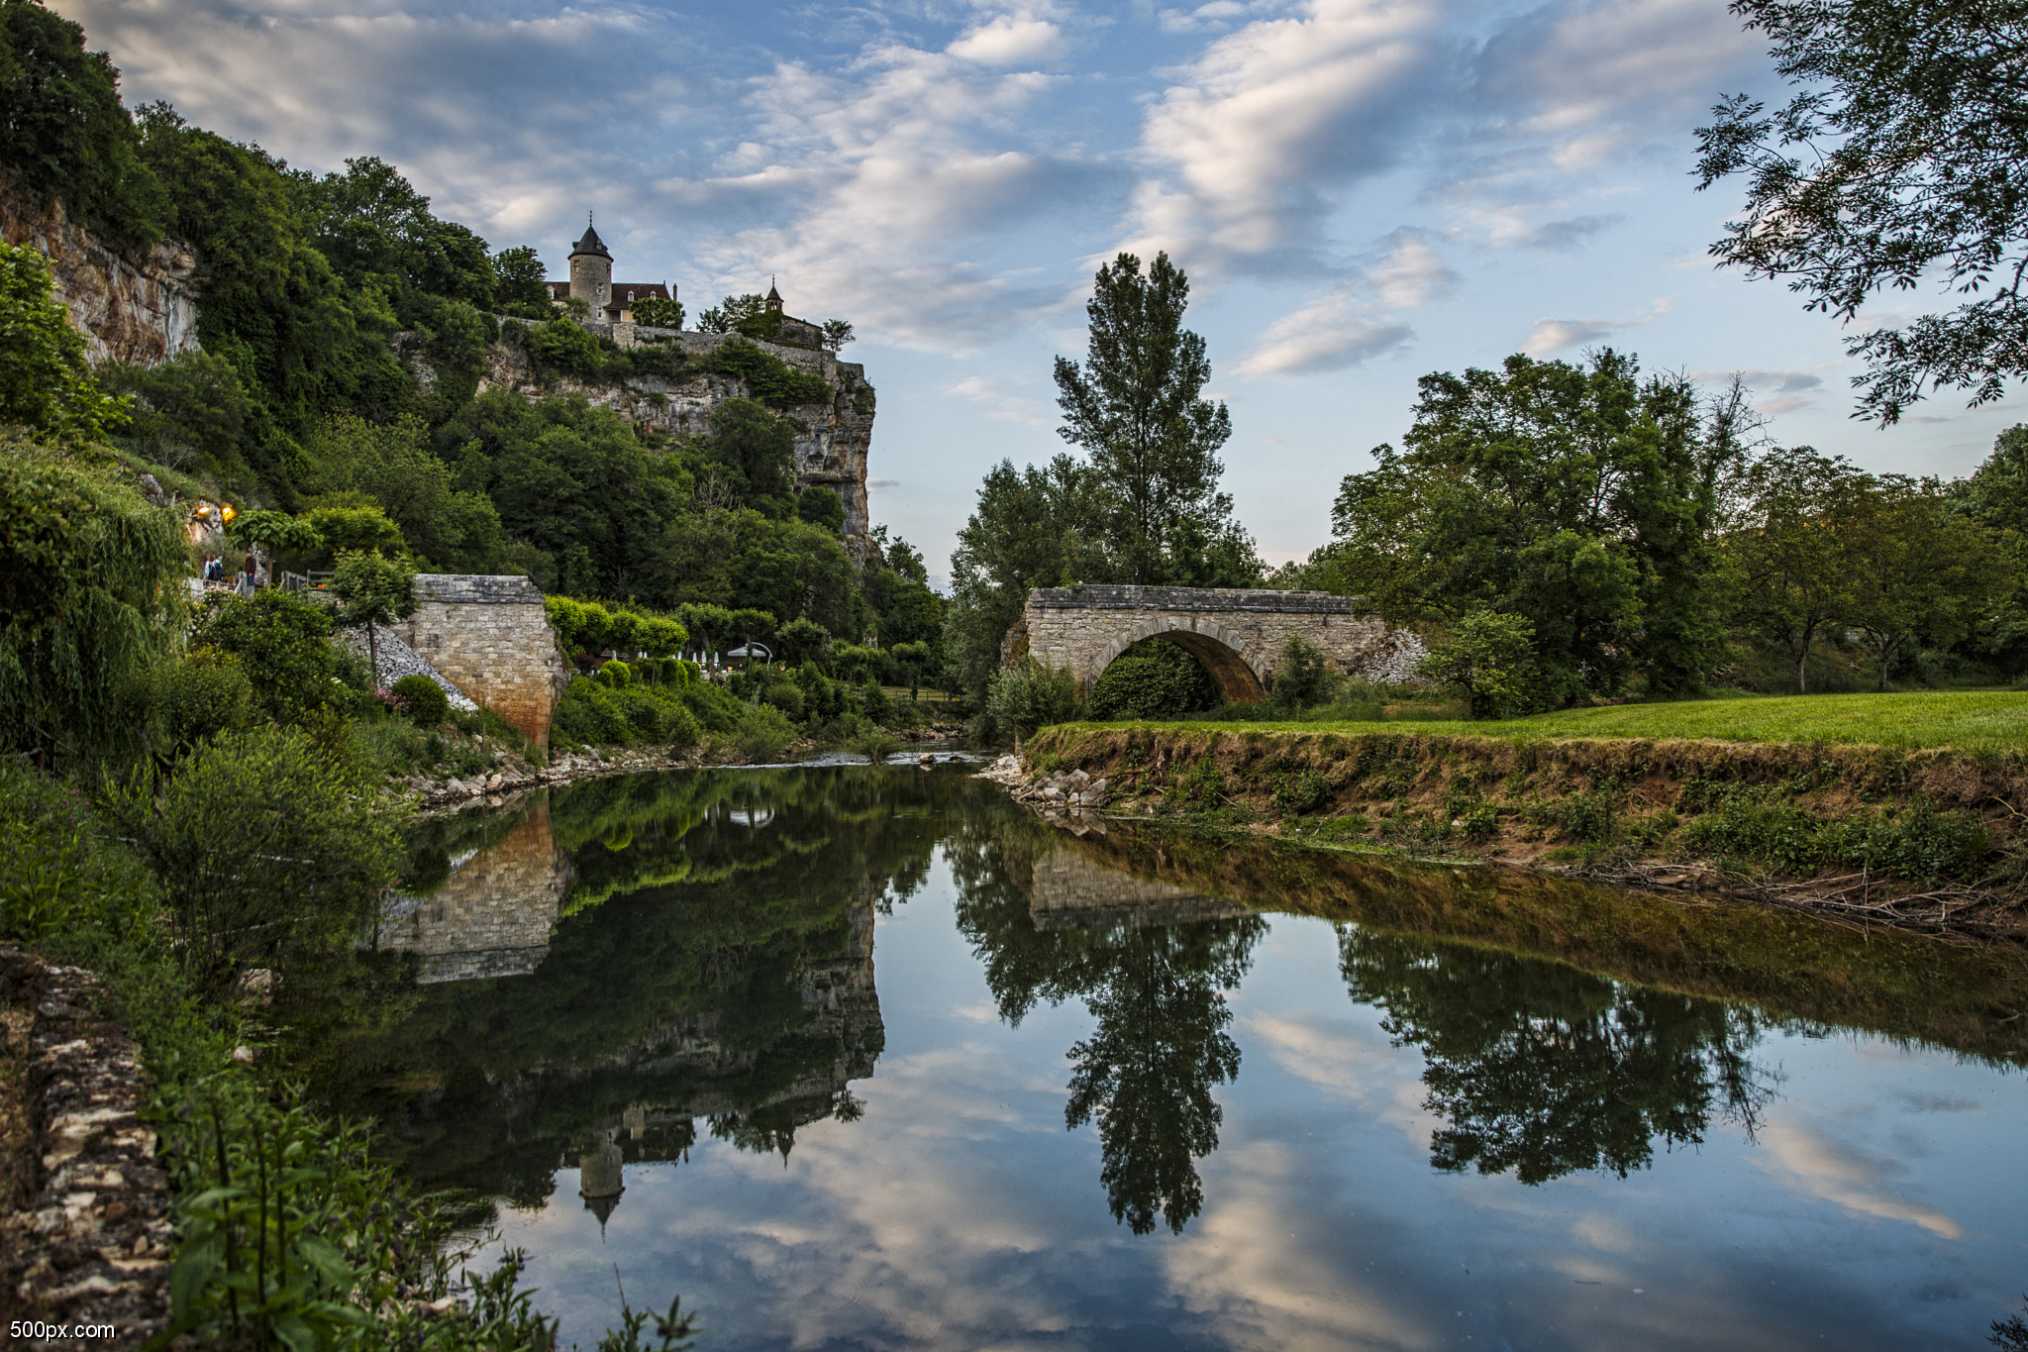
x: 1262, y: 1266
x: 1350, y: 1063
x: 1845, y: 1177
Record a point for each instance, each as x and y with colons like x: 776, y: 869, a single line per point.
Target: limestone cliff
x: 833, y: 440
x: 130, y: 311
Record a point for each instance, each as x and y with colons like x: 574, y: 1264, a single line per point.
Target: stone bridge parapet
x: 1237, y: 634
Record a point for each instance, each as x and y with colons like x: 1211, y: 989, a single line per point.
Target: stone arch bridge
x: 1237, y: 635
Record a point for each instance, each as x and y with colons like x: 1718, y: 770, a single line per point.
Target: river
x: 870, y: 1058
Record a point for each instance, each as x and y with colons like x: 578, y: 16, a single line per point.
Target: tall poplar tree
x: 1136, y: 406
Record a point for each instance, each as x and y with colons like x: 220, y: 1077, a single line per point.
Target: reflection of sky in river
x: 1881, y: 1206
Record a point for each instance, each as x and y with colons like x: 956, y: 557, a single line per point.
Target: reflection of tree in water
x: 1542, y: 1070
x: 713, y: 963
x: 1146, y: 1072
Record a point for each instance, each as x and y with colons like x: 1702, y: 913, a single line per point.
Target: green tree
x: 1996, y: 496
x: 64, y: 133
x: 1029, y: 529
x: 190, y: 413
x: 519, y: 278
x: 1578, y: 497
x: 283, y: 641
x: 89, y: 574
x: 1791, y: 550
x: 914, y: 658
x: 657, y: 313
x: 821, y: 506
x: 1897, y: 160
x: 1136, y: 406
x: 801, y: 641
x: 1488, y: 658
x: 1924, y: 574
x: 46, y: 386
x: 372, y: 590
x: 392, y: 464
x: 837, y: 333
x: 757, y: 448
x: 266, y: 531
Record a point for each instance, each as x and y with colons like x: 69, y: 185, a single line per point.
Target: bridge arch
x: 1238, y: 635
x: 1215, y: 649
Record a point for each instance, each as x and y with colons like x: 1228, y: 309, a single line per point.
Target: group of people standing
x: 213, y: 574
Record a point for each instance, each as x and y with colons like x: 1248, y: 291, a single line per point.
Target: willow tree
x: 88, y: 580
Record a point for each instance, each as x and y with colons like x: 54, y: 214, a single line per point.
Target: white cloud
x: 1250, y: 138
x: 1009, y: 41
x: 1555, y: 335
x: 1358, y: 320
x: 996, y: 403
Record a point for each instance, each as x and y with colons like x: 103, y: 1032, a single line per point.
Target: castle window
x: 630, y: 295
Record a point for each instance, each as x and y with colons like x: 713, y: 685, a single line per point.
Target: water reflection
x: 643, y: 1015
x: 1543, y: 1070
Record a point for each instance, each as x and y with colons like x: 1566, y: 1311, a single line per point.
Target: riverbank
x: 1929, y: 839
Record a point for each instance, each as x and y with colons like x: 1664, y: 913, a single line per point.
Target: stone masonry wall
x: 490, y: 637
x: 142, y: 313
x: 1237, y: 634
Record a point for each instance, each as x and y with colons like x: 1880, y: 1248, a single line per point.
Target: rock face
x: 833, y: 440
x: 132, y: 311
x: 490, y: 637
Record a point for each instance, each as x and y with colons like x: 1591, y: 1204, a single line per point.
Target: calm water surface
x: 855, y: 1058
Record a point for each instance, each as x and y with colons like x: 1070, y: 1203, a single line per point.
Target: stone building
x: 591, y: 281
x: 490, y: 636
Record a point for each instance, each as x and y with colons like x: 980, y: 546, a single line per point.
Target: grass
x: 1965, y: 720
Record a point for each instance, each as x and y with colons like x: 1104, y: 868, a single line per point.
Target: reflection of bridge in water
x: 1076, y: 885
x: 493, y: 915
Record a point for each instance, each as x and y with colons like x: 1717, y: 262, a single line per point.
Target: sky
x: 1362, y: 192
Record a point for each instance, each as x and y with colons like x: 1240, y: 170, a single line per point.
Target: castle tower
x: 774, y: 297
x: 591, y: 271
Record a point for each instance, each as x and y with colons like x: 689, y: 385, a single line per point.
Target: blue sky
x: 1361, y: 190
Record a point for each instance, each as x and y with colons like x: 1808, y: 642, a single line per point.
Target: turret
x: 774, y: 298
x: 591, y: 270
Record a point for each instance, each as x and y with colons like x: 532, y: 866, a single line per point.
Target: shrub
x: 764, y: 734
x: 1153, y: 679
x: 283, y: 642
x: 1301, y: 678
x: 876, y: 744
x: 204, y: 694
x: 422, y: 700
x: 1201, y: 788
x: 786, y: 696
x: 264, y: 842
x: 60, y: 872
x: 616, y: 673
x: 591, y: 713
x: 1301, y: 792
x: 1489, y: 658
x: 1021, y: 699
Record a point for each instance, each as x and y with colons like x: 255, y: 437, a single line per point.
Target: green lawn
x: 1971, y: 720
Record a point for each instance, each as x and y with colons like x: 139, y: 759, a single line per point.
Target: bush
x: 876, y: 744
x: 786, y: 696
x: 1489, y: 658
x: 616, y: 673
x: 764, y: 734
x: 1301, y: 792
x: 264, y: 842
x: 422, y: 700
x: 591, y: 713
x: 1301, y: 679
x: 1021, y: 699
x: 284, y: 644
x: 204, y: 694
x: 60, y: 871
x: 1153, y: 679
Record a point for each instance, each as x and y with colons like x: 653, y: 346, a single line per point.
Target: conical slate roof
x: 590, y: 243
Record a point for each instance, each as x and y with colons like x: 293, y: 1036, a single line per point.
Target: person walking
x: 250, y: 578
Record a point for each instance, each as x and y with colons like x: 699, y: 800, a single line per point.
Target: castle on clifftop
x: 591, y: 281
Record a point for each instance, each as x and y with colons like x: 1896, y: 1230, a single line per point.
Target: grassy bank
x: 1931, y: 835
x: 1963, y: 720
